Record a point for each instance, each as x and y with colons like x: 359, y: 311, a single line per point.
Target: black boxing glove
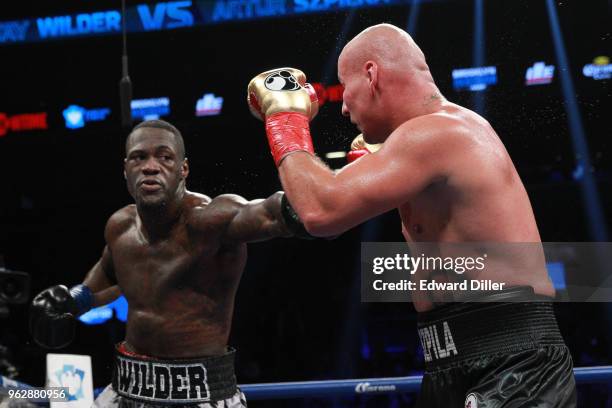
x: 294, y: 223
x: 53, y: 314
x: 292, y: 220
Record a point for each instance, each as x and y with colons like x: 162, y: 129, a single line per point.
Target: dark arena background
x: 298, y: 315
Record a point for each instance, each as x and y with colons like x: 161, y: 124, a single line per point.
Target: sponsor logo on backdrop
x: 599, y: 69
x: 76, y: 116
x: 474, y: 79
x: 539, y: 74
x: 209, y: 105
x: 150, y: 108
x: 22, y: 122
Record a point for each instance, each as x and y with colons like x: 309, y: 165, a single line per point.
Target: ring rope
x: 368, y: 386
x: 363, y: 386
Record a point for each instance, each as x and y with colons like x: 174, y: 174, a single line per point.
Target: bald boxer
x: 447, y: 172
x: 177, y: 256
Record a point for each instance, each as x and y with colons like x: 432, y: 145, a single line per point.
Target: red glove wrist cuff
x: 356, y: 154
x: 288, y: 132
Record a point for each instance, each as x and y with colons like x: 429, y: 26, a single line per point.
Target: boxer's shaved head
x: 387, y: 45
x: 386, y: 81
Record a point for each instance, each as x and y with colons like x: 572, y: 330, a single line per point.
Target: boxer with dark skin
x: 448, y: 173
x: 177, y: 256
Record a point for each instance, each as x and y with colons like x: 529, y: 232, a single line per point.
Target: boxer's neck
x: 417, y: 99
x: 157, y: 222
x: 425, y: 101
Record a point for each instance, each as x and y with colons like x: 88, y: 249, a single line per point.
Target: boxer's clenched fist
x: 53, y: 313
x: 282, y: 98
x: 281, y: 90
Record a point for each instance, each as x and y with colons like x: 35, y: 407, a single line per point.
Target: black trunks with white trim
x: 180, y: 381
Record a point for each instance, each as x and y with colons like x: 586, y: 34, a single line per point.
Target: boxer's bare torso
x: 180, y: 285
x: 452, y: 180
x: 180, y: 288
x: 482, y: 199
x: 177, y: 256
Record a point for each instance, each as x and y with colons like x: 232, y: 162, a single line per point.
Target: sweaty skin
x: 441, y: 165
x: 177, y: 256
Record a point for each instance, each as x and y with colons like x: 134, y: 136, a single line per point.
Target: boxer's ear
x: 185, y: 169
x: 371, y: 69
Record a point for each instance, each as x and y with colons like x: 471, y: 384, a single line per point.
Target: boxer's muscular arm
x: 101, y: 278
x: 413, y: 157
x: 244, y: 221
x: 97, y: 280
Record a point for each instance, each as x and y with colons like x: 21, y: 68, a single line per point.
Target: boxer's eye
x: 137, y: 157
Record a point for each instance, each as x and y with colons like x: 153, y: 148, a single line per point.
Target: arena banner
x: 167, y: 16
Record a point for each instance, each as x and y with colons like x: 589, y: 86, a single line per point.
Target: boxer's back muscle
x: 481, y: 200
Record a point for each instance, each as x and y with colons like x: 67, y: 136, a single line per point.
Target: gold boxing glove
x: 282, y: 98
x: 360, y: 148
x: 281, y: 90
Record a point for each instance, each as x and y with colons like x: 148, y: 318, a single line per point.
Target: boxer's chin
x: 151, y: 201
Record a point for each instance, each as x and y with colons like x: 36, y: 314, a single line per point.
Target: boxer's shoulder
x: 204, y: 213
x: 195, y: 201
x: 201, y: 205
x: 456, y: 121
x: 119, y: 222
x: 228, y: 202
x: 438, y: 123
x: 442, y: 130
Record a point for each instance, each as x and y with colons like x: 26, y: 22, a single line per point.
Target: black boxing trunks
x: 495, y: 353
x: 142, y: 381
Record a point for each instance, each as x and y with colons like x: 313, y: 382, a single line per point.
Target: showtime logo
x: 22, y: 122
